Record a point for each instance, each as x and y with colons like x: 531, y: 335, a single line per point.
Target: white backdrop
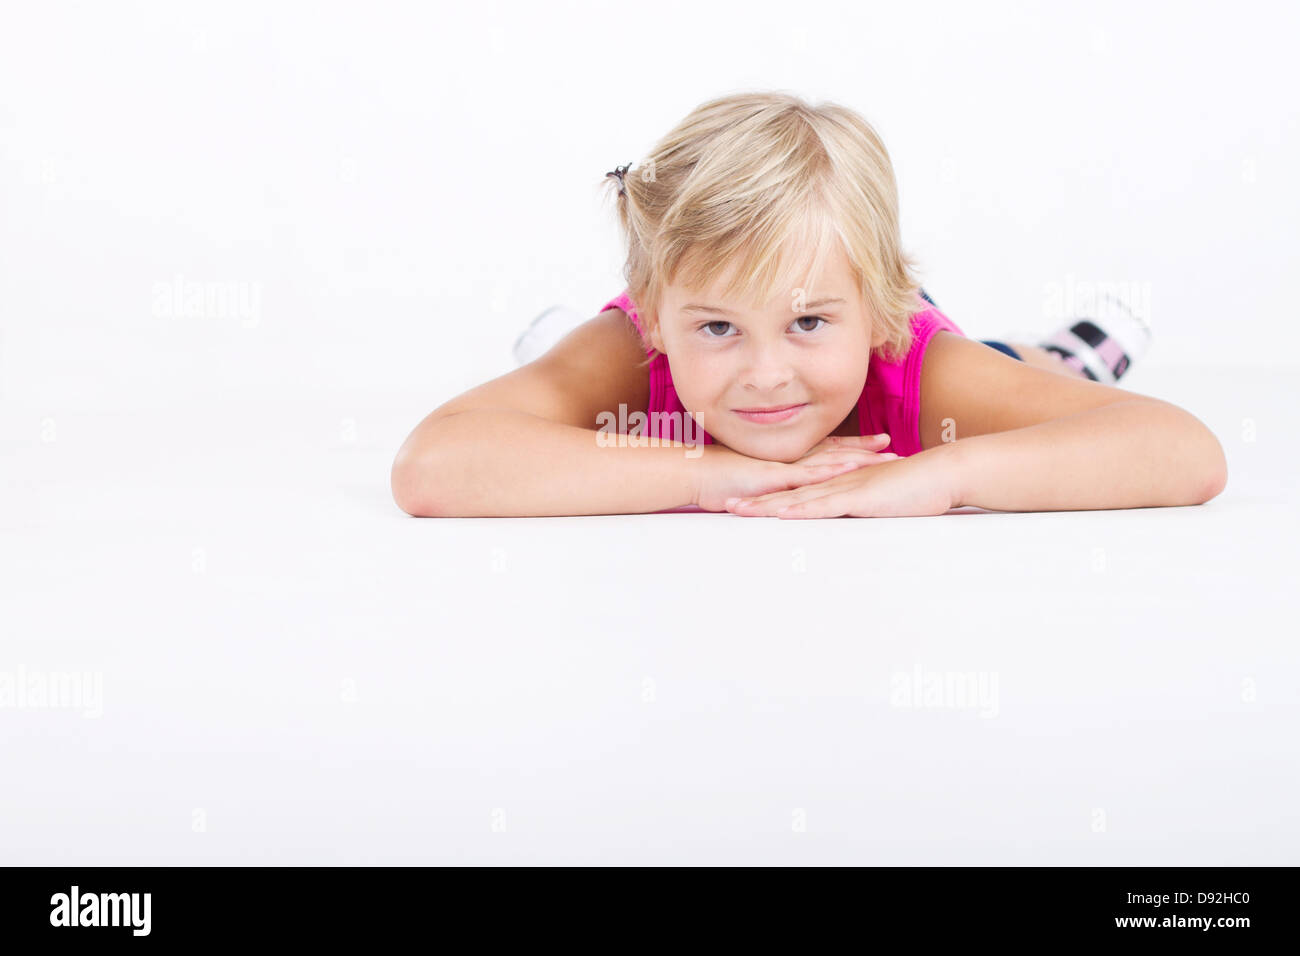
x: 399, y: 188
x: 194, y: 499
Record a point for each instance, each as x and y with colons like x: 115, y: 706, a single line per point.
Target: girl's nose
x: 769, y: 369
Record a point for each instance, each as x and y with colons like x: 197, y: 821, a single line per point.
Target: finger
x: 770, y: 504
x: 819, y: 478
x: 812, y: 474
x: 758, y: 509
x: 820, y: 470
x: 869, y: 442
x: 863, y: 441
x: 835, y: 479
x: 849, y: 449
x: 761, y: 502
x: 834, y: 505
x: 835, y: 459
x: 834, y: 455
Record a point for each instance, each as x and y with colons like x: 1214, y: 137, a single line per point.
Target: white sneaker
x: 544, y: 331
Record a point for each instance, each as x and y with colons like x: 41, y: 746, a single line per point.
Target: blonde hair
x: 759, y: 178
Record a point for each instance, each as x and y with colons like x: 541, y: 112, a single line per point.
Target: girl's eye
x: 720, y: 333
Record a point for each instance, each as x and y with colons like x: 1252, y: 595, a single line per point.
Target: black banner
x: 95, y: 905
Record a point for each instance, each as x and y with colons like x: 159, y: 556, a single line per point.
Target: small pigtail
x: 618, y: 172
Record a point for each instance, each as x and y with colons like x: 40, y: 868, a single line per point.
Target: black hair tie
x: 618, y: 172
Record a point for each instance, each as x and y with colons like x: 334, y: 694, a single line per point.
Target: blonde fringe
x: 769, y: 182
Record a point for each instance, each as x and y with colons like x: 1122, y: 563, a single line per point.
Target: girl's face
x: 730, y: 363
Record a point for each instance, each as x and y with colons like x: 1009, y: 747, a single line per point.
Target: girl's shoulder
x: 624, y: 304
x: 893, y: 394
x: 595, y: 368
x: 608, y: 354
x: 969, y: 389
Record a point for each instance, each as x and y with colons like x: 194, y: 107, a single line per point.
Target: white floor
x: 294, y: 671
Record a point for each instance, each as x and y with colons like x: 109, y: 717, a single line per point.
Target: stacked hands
x: 839, y: 476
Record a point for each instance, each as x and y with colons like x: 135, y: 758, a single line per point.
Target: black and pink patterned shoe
x: 1102, y: 348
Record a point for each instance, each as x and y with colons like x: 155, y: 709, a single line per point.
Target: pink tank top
x: 890, y: 400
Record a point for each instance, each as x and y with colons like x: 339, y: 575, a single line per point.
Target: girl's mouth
x: 776, y: 413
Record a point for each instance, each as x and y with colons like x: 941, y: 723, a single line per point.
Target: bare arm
x: 1026, y: 439
x: 526, y: 443
x: 1143, y: 453
x: 498, y: 462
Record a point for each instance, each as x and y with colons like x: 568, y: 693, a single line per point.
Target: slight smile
x: 777, y: 413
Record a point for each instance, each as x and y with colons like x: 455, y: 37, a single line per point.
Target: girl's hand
x: 729, y: 474
x: 915, y: 486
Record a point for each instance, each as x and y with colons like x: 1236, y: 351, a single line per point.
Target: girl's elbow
x: 1216, y: 473
x: 1217, y: 482
x: 1202, y: 452
x: 410, y: 484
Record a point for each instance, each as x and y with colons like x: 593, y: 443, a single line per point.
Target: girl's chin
x: 787, y: 448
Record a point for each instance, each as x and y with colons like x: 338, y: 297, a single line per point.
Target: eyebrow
x: 717, y: 310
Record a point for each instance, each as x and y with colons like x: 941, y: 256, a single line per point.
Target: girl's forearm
x: 1131, y: 454
x: 505, y: 463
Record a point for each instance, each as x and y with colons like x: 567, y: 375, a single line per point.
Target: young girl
x: 774, y: 354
